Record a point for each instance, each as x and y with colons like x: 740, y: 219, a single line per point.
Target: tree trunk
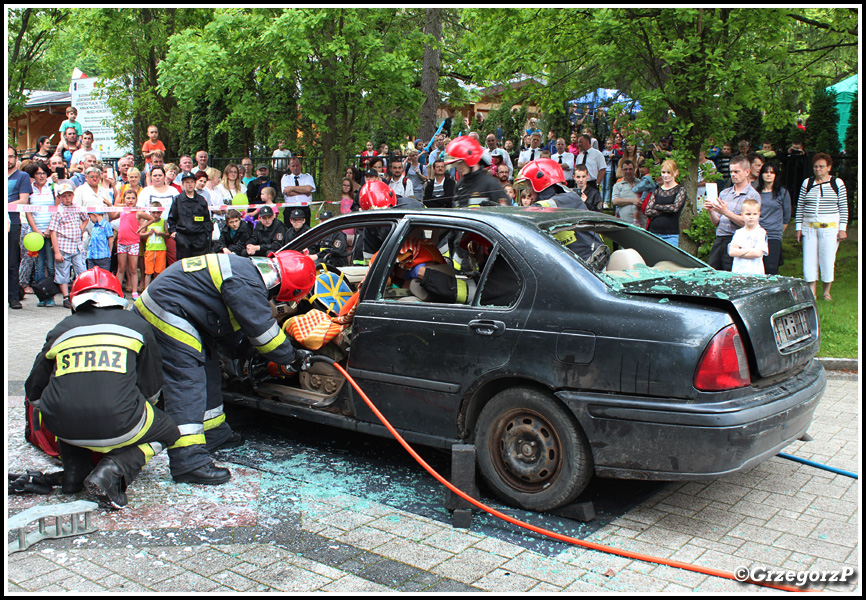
x: 430, y: 73
x: 690, y: 210
x: 333, y: 168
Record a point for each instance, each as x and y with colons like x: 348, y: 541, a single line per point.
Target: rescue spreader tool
x: 78, y: 524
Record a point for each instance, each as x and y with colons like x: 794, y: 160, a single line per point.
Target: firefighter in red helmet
x: 544, y: 180
x: 197, y: 304
x: 95, y: 384
x: 476, y: 187
x: 376, y: 195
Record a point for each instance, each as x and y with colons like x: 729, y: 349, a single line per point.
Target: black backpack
x: 811, y: 183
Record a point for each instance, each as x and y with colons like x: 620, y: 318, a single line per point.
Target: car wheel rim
x: 528, y: 451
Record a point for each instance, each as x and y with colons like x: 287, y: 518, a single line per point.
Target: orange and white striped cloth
x: 315, y: 328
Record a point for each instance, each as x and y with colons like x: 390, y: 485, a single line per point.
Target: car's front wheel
x: 532, y: 452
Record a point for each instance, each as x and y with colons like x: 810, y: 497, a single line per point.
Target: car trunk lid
x: 778, y: 313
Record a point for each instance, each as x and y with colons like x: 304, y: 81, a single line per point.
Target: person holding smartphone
x: 57, y: 169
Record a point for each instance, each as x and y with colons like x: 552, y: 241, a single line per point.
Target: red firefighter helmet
x: 292, y: 272
x: 466, y: 149
x: 376, y: 194
x: 541, y: 174
x: 98, y: 286
x: 297, y: 274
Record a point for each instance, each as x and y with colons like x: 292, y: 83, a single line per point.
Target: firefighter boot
x: 106, y: 483
x: 77, y: 465
x: 209, y: 474
x: 72, y: 480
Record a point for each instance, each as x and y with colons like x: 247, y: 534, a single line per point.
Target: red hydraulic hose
x: 539, y: 530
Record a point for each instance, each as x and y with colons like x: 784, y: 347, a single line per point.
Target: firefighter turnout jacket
x: 189, y: 217
x: 334, y: 248
x: 476, y: 187
x: 208, y: 299
x: 96, y: 377
x: 582, y: 243
x: 270, y: 239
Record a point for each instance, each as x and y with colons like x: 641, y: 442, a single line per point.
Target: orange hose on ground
x: 545, y: 532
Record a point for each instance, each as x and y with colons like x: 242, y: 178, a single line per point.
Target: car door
x: 418, y: 360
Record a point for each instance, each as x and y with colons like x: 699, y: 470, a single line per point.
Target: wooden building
x: 43, y: 114
x: 487, y: 99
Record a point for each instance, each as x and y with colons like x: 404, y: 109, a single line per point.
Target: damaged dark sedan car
x: 481, y: 326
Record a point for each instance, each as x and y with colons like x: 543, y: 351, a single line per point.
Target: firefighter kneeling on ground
x: 203, y: 301
x: 95, y: 383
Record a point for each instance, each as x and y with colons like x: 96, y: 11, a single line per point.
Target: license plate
x: 791, y: 329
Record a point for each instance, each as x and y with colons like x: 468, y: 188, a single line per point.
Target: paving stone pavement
x: 252, y: 535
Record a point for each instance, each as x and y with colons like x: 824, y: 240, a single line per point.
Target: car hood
x: 759, y: 303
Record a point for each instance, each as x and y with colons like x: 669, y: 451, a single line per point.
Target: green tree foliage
x: 692, y: 70
x: 749, y: 126
x: 217, y: 139
x: 128, y: 44
x: 557, y: 120
x: 703, y: 233
x: 30, y: 35
x: 326, y: 73
x: 822, y: 133
x: 504, y: 118
x: 197, y: 134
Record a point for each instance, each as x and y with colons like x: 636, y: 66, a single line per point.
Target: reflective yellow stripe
x: 189, y: 440
x: 547, y: 203
x: 215, y: 272
x: 193, y: 263
x: 462, y: 291
x: 148, y: 421
x: 148, y: 452
x: 94, y: 340
x: 565, y: 237
x: 215, y: 422
x: 235, y: 325
x: 169, y: 330
x: 219, y: 268
x: 273, y: 344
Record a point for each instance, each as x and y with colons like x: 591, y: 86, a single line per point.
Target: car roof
x: 542, y: 218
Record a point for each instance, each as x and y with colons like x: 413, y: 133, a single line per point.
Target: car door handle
x: 491, y: 328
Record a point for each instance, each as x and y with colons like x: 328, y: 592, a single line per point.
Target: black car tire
x: 531, y: 452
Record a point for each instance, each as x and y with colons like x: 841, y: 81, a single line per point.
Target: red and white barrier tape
x: 29, y: 208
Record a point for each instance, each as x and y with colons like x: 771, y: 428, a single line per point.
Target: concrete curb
x: 840, y: 364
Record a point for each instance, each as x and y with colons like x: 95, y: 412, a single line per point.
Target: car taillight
x: 724, y: 365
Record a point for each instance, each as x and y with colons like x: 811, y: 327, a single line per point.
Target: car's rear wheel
x: 532, y: 452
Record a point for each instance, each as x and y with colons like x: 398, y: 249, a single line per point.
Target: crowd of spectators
x: 602, y: 162
x: 136, y: 222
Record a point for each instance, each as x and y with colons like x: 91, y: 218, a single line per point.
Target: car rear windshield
x: 630, y: 254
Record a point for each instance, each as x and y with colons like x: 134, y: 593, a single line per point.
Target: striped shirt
x: 822, y: 204
x: 43, y: 197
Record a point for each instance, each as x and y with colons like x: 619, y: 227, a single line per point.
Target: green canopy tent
x: 845, y: 91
